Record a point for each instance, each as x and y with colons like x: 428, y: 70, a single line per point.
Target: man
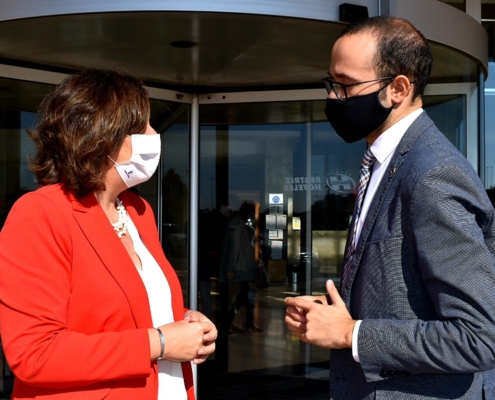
x: 417, y: 314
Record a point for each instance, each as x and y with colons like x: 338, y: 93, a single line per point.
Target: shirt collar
x: 388, y: 141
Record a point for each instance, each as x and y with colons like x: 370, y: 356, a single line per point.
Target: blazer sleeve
x: 454, y: 238
x: 35, y: 288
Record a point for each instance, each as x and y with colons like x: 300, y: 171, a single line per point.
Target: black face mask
x: 357, y: 117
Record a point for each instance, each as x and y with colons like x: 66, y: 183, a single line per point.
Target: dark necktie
x: 364, y: 178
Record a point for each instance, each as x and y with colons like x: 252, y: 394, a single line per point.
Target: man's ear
x: 400, y: 89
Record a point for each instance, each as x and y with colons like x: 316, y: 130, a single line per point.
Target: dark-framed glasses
x: 340, y: 89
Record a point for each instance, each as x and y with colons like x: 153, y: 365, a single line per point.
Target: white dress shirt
x: 170, y: 378
x: 383, y: 148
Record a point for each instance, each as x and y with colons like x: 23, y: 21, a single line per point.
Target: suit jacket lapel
x: 375, y: 206
x: 415, y: 130
x: 101, y: 236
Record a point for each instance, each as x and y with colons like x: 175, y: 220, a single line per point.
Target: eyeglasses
x: 340, y: 89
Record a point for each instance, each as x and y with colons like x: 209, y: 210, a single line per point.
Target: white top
x: 383, y: 148
x: 170, y: 379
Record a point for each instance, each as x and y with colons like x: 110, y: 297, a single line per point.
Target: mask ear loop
x: 111, y: 159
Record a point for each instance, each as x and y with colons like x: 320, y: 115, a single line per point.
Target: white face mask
x: 144, y: 160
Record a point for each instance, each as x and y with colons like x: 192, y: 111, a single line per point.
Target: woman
x: 90, y: 307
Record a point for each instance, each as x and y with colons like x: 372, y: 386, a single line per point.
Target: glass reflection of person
x: 212, y: 225
x: 229, y: 210
x: 91, y: 308
x: 239, y: 261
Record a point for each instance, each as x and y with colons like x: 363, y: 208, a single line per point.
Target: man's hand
x: 319, y: 324
x: 315, y: 299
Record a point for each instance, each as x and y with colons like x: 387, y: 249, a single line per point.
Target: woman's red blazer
x: 74, y: 313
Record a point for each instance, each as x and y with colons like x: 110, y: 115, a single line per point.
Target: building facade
x: 237, y: 95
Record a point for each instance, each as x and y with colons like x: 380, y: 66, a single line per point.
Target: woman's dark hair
x: 401, y: 49
x: 82, y: 121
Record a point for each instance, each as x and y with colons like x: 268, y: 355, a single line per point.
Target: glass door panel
x: 490, y: 133
x: 277, y: 174
x: 271, y: 173
x: 459, y: 4
x: 168, y: 190
x: 449, y: 115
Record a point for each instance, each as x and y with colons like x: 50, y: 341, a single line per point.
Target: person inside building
x: 415, y: 317
x: 239, y: 265
x: 90, y: 307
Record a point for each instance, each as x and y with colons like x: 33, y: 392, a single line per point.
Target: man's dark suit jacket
x: 423, y: 281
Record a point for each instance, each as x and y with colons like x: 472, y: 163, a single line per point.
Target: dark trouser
x: 242, y: 299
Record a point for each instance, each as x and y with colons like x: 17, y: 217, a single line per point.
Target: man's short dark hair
x: 247, y: 209
x: 401, y: 49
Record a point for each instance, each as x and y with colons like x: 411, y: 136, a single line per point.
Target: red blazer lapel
x: 100, y: 234
x: 149, y: 235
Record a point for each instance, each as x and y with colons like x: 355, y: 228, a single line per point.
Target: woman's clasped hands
x: 192, y: 339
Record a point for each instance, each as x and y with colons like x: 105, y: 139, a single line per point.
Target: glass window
x: 278, y: 193
x: 451, y: 66
x: 449, y: 115
x: 490, y: 132
x: 488, y: 22
x: 171, y: 120
x: 459, y: 4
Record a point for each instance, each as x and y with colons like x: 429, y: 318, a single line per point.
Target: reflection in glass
x: 171, y: 120
x: 18, y: 102
x: 490, y: 132
x: 449, y: 115
x: 459, y: 4
x: 301, y: 178
x: 451, y: 65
